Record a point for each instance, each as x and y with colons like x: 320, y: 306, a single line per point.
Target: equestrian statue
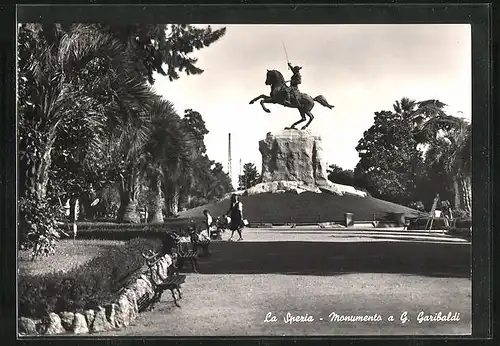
x: 290, y: 96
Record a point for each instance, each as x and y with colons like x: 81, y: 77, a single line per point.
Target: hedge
x: 96, y: 282
x: 169, y: 224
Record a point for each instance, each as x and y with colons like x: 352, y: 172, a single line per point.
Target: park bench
x: 176, y: 247
x: 172, y: 283
x: 187, y: 255
x: 201, y: 244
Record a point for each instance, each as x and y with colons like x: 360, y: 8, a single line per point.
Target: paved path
x: 316, y: 234
x: 317, y: 274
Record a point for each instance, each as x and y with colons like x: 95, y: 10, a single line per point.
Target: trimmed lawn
x: 69, y: 254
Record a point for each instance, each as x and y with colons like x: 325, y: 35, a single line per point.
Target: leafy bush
x: 95, y: 283
x: 38, y: 227
x: 90, y: 225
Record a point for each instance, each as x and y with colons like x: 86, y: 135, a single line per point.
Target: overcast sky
x: 360, y: 69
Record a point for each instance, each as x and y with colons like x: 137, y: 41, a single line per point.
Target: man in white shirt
x: 208, y: 221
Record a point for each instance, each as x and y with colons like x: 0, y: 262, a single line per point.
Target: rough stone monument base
x: 292, y: 162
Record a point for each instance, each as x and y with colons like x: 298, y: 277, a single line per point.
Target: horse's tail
x: 322, y: 101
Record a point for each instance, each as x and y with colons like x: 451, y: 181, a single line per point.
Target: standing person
x: 236, y: 214
x: 209, y: 220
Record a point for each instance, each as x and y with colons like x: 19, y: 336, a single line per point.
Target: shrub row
x: 94, y: 283
x: 113, y: 225
x: 125, y: 233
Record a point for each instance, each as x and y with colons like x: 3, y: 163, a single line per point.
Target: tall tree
x: 339, y: 175
x: 196, y: 182
x: 250, y: 176
x: 416, y: 128
x: 389, y: 160
x: 166, y: 158
x: 220, y: 183
x: 166, y: 49
x: 194, y: 124
x: 451, y: 152
x: 69, y: 76
x: 405, y: 107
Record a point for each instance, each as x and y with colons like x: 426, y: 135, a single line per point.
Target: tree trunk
x: 40, y: 171
x: 129, y: 191
x: 127, y: 213
x: 456, y: 192
x: 74, y: 209
x: 465, y: 193
x: 172, y: 199
x: 156, y: 202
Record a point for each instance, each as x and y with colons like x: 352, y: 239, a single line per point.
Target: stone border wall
x: 108, y: 317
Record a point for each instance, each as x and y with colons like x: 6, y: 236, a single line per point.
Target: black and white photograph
x: 197, y: 180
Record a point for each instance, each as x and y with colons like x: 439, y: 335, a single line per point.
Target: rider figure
x: 294, y: 83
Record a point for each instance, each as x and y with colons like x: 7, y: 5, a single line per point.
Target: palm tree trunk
x: 129, y: 191
x: 156, y: 202
x: 456, y: 192
x: 172, y: 198
x: 465, y: 193
x: 40, y: 170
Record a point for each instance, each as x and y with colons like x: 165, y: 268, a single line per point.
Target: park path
x: 244, y: 281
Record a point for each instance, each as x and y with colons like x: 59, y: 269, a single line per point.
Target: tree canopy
x: 410, y: 154
x: 250, y: 176
x: 89, y: 119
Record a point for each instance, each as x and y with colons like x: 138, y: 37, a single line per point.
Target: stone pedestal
x: 292, y: 162
x: 292, y: 155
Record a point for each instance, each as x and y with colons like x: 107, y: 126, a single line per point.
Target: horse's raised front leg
x: 311, y: 117
x: 303, y: 118
x: 258, y: 97
x: 266, y: 100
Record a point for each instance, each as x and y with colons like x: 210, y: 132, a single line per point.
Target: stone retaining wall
x: 107, y: 317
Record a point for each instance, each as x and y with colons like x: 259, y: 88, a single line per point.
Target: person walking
x: 236, y: 214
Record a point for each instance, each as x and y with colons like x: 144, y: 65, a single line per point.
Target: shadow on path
x: 330, y: 258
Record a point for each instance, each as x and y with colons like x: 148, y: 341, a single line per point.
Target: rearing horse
x: 304, y: 103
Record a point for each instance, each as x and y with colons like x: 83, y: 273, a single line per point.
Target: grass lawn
x: 243, y: 281
x: 69, y: 254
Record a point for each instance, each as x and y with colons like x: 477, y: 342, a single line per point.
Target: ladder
x: 432, y: 213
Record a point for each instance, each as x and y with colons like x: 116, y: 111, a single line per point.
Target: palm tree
x: 129, y: 146
x: 178, y: 173
x: 68, y: 75
x: 167, y: 157
x: 405, y: 108
x: 453, y: 153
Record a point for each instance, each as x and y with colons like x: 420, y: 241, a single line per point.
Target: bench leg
x: 195, y: 265
x: 175, y: 299
x: 178, y: 291
x: 156, y: 299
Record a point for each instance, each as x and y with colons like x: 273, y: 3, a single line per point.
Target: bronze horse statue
x: 303, y: 102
